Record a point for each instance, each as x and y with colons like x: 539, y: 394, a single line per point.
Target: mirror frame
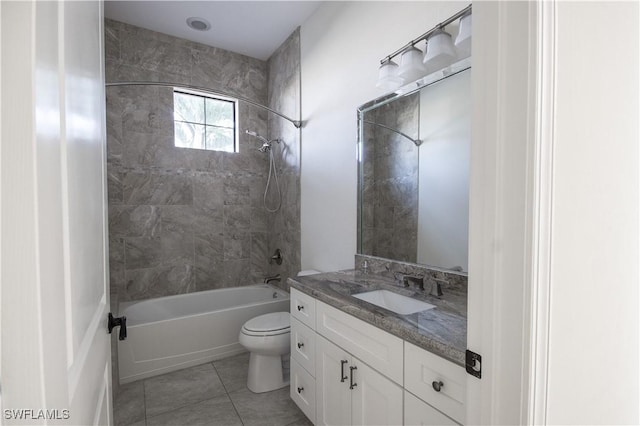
x: 409, y: 89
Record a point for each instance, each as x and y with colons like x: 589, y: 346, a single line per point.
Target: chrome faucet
x: 436, y: 287
x: 275, y: 278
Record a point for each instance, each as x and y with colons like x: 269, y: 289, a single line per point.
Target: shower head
x: 255, y: 135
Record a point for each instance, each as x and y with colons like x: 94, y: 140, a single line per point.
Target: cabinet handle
x: 351, y: 384
x: 437, y: 386
x: 300, y: 390
x: 300, y: 307
x: 342, y: 375
x: 300, y: 345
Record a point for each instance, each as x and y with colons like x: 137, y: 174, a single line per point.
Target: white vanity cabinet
x: 349, y: 392
x: 345, y: 371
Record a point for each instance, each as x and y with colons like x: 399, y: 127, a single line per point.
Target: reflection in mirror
x: 414, y: 200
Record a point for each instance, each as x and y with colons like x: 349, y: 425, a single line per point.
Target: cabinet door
x: 417, y: 412
x: 375, y: 400
x: 333, y: 397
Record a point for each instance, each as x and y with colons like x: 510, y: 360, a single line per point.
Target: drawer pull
x: 300, y: 345
x: 342, y: 375
x: 300, y: 390
x: 351, y: 384
x: 437, y: 386
x: 300, y: 307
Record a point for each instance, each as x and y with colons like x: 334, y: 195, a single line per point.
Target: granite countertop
x: 442, y: 330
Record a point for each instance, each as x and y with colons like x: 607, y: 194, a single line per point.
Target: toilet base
x: 265, y: 373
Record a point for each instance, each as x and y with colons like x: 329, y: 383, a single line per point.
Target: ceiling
x: 252, y: 28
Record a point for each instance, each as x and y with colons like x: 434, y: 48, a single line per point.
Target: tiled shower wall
x: 284, y: 96
x: 390, y: 179
x: 183, y: 220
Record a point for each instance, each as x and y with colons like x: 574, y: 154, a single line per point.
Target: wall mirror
x: 413, y: 172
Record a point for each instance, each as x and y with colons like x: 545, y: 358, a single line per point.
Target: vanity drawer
x: 303, y: 345
x: 303, y: 390
x: 303, y: 308
x: 377, y: 348
x: 422, y: 369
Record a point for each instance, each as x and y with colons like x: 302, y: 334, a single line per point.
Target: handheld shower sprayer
x: 266, y: 144
x: 266, y: 147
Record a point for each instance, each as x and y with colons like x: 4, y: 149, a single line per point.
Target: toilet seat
x: 273, y: 324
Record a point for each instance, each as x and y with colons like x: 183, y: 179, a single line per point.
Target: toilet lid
x: 268, y: 322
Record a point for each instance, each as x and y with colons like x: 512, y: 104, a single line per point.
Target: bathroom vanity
x: 353, y: 362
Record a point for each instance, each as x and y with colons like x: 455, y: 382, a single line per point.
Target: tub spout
x: 275, y: 278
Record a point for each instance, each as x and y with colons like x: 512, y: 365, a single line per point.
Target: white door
x: 333, y: 397
x: 55, y: 348
x: 375, y: 400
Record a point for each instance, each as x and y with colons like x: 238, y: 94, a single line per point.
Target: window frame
x: 236, y: 119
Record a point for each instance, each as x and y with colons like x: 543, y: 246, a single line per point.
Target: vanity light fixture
x: 440, y: 53
x: 411, y: 67
x: 388, y: 78
x: 463, y: 40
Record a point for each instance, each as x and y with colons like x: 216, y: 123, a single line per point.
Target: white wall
x: 443, y: 185
x: 341, y: 46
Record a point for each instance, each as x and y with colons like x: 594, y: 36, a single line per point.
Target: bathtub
x: 175, y: 332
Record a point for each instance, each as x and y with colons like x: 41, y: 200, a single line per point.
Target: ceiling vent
x: 199, y: 24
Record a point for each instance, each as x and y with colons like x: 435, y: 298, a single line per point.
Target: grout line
x: 227, y: 393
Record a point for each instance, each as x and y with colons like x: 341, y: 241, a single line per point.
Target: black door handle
x: 351, y: 384
x: 342, y: 375
x: 118, y: 322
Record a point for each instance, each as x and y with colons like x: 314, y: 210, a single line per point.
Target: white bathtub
x: 174, y: 332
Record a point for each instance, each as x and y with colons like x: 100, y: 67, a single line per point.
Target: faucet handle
x: 436, y: 287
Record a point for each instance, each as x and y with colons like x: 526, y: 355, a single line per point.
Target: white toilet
x: 267, y: 337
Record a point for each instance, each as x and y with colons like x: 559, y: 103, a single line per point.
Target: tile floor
x: 209, y: 394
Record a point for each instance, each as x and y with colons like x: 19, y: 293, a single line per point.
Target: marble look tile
x: 259, y: 220
x: 157, y: 282
x: 112, y: 40
x: 237, y: 245
x: 142, y: 252
x: 208, y: 191
x: 270, y: 408
x: 236, y: 190
x: 233, y: 372
x: 129, y: 405
x: 134, y: 221
x: 212, y: 412
x: 158, y: 189
x: 116, y: 262
x: 150, y: 52
x: 180, y: 388
x: 237, y: 218
x: 208, y: 223
x: 115, y: 189
x: 209, y: 275
x: 237, y: 272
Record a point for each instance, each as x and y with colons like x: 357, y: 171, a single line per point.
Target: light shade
x: 411, y: 66
x: 388, y: 78
x: 463, y: 41
x: 440, y: 51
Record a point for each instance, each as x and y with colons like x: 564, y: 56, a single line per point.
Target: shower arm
x: 417, y: 142
x: 296, y: 123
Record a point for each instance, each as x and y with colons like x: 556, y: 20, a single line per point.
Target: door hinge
x: 473, y: 364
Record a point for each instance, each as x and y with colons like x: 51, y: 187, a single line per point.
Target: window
x: 205, y: 122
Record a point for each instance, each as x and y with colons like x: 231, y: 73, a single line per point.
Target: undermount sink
x: 395, y: 302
